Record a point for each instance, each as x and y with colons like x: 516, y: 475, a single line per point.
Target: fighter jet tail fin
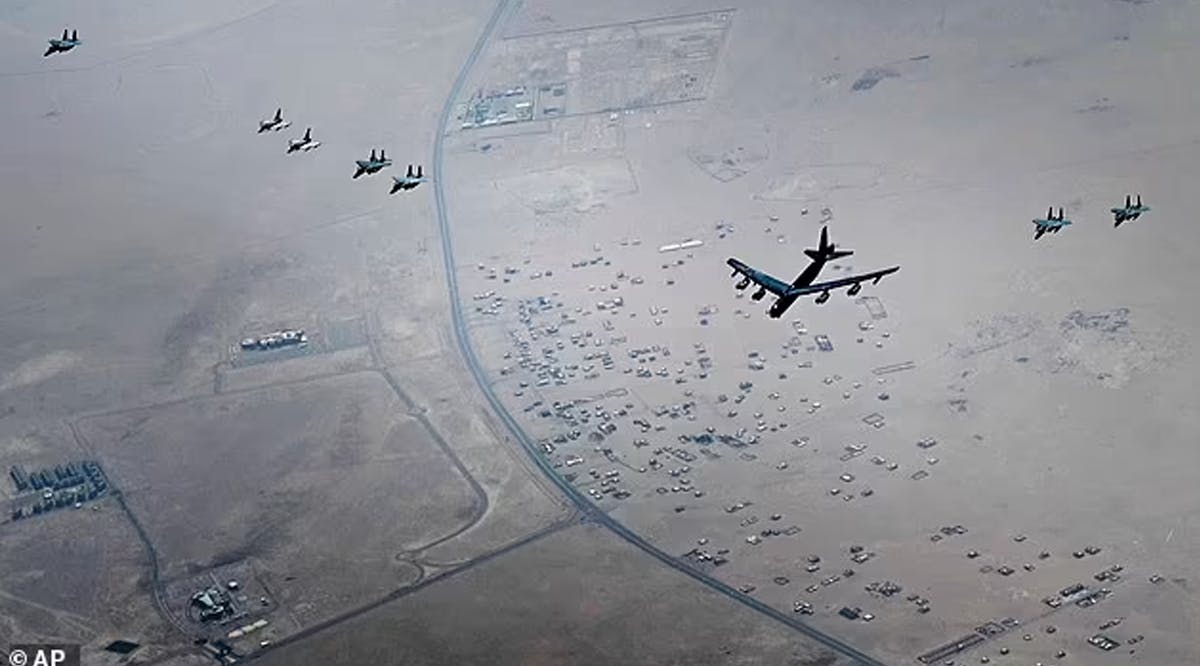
x: 409, y: 173
x: 74, y: 35
x: 382, y: 154
x: 64, y: 37
x: 419, y: 174
x: 1139, y: 201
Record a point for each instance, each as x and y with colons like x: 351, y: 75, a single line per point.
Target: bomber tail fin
x: 826, y: 250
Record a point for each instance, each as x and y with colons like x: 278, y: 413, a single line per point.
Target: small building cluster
x: 288, y: 337
x: 44, y: 490
x: 212, y: 604
x: 513, y: 105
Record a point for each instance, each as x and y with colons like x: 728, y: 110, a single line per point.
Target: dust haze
x: 253, y: 408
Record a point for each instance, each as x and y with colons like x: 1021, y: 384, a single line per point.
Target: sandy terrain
x: 148, y: 229
x: 577, y: 596
x: 1052, y: 375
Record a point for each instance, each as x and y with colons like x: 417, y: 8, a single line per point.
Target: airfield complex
x: 931, y: 471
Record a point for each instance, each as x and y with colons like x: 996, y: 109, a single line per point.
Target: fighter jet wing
x: 874, y: 276
x: 771, y: 284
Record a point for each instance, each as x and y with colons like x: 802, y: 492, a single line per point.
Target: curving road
x: 584, y: 505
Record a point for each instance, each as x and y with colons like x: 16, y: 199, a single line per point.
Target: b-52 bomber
x: 276, y: 123
x: 1050, y: 223
x: 1130, y: 211
x: 63, y: 45
x: 372, y: 164
x: 805, y: 283
x: 305, y: 143
x: 409, y: 181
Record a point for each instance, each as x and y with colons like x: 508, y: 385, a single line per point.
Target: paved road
x: 585, y: 506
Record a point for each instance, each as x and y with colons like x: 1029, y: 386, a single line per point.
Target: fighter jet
x: 277, y: 123
x: 63, y: 45
x: 305, y: 143
x: 1051, y: 223
x: 372, y: 164
x: 805, y: 283
x: 409, y: 181
x: 1130, y: 211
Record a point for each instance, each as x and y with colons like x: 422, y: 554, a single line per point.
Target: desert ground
x: 525, y: 429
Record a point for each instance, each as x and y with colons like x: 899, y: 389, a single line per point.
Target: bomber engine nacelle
x: 853, y: 291
x: 822, y: 298
x: 743, y: 284
x: 758, y: 295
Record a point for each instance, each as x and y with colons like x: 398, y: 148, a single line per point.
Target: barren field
x: 577, y: 596
x: 274, y: 476
x: 78, y: 576
x: 925, y: 471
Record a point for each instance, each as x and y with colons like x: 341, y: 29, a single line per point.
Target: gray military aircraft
x: 305, y: 143
x: 805, y: 283
x: 409, y: 181
x: 372, y: 164
x: 276, y: 123
x: 1050, y: 223
x: 63, y: 45
x: 1130, y: 211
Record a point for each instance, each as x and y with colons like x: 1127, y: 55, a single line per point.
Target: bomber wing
x: 853, y: 281
x: 771, y: 284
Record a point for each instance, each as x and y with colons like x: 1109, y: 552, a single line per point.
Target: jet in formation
x: 1130, y: 211
x: 372, y: 164
x: 1050, y: 223
x: 305, y: 143
x: 276, y: 123
x: 409, y: 181
x: 805, y: 283
x: 63, y: 45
